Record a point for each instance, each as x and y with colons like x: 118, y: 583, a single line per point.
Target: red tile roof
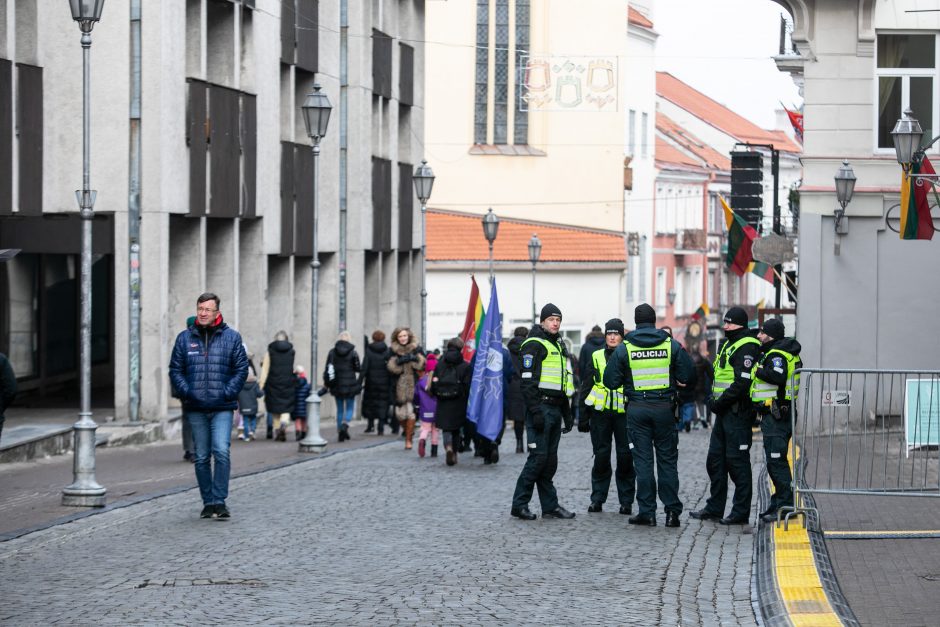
x: 637, y: 18
x: 718, y: 115
x: 668, y: 154
x: 454, y: 236
x: 710, y: 157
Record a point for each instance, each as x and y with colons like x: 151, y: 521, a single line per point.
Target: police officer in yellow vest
x: 773, y: 389
x: 647, y: 365
x: 604, y: 415
x: 547, y: 385
x: 729, y: 450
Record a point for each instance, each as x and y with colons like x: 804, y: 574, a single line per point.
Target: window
x: 643, y: 135
x: 660, y: 291
x: 907, y: 73
x: 482, y: 72
x: 631, y: 133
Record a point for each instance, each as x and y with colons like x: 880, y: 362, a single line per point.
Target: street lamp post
x: 490, y: 228
x: 535, y: 249
x: 907, y: 135
x: 424, y: 180
x: 845, y: 187
x: 84, y: 491
x: 316, y: 111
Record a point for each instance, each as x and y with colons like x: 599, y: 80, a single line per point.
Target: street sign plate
x: 773, y: 249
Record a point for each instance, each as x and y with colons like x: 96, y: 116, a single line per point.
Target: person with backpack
x: 341, y: 376
x: 377, y: 385
x: 450, y: 384
x: 406, y: 361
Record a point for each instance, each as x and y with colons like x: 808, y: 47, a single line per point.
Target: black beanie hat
x: 737, y: 316
x: 549, y: 310
x: 614, y: 325
x: 644, y: 314
x: 774, y: 328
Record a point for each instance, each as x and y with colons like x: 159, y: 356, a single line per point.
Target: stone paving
x: 379, y: 536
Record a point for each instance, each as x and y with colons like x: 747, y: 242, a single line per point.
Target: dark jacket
x: 589, y: 377
x: 703, y: 372
x: 451, y: 413
x: 279, y: 395
x: 738, y: 396
x: 618, y: 371
x: 301, y: 392
x: 689, y: 392
x: 377, y: 395
x: 531, y: 394
x: 593, y: 342
x: 344, y: 380
x: 514, y: 391
x: 208, y: 367
x: 248, y: 398
x: 7, y: 384
x: 774, y: 368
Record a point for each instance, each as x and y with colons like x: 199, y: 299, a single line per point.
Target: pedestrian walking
x: 729, y: 449
x: 341, y: 375
x: 406, y: 361
x: 378, y: 394
x: 248, y: 405
x: 703, y: 386
x: 515, y: 404
x: 7, y: 387
x: 208, y: 368
x: 301, y: 392
x: 426, y: 408
x: 686, y: 396
x: 450, y: 385
x: 604, y: 416
x: 775, y: 384
x: 432, y: 358
x: 547, y: 386
x: 649, y: 365
x: 277, y: 381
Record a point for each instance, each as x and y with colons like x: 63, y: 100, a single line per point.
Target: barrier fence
x: 874, y: 432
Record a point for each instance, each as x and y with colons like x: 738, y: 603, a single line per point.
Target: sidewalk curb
x: 19, y: 533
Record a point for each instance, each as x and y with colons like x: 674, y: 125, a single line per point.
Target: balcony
x: 691, y: 241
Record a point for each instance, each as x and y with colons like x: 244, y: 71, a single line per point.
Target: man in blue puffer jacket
x: 208, y: 368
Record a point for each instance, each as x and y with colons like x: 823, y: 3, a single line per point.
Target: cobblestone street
x: 379, y: 536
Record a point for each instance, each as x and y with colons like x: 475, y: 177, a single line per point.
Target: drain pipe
x: 343, y: 151
x: 133, y: 222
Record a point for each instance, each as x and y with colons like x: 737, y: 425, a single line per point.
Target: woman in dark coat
x: 341, y: 376
x: 516, y: 403
x: 377, y: 392
x: 451, y: 413
x: 277, y: 381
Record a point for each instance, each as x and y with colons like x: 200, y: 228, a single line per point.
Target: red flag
x: 796, y: 121
x: 471, y: 323
x: 916, y: 222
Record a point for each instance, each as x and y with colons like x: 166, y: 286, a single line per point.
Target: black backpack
x: 446, y: 382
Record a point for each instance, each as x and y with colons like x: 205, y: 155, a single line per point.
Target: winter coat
x: 405, y: 363
x: 344, y: 380
x: 452, y: 412
x: 617, y: 372
x: 302, y: 391
x: 208, y: 367
x: 425, y: 402
x: 248, y: 397
x: 277, y: 377
x: 514, y: 390
x: 592, y: 343
x: 377, y: 395
x: 7, y: 384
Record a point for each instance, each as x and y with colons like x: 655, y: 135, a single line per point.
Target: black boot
x: 518, y: 446
x: 270, y: 435
x: 434, y: 450
x: 371, y: 426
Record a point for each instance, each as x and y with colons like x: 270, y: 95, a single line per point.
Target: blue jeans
x: 344, y: 410
x: 249, y: 423
x: 686, y: 415
x: 212, y: 435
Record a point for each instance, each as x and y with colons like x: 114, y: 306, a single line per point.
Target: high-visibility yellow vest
x: 724, y: 371
x: 602, y: 398
x: 556, y: 375
x: 650, y: 365
x: 764, y: 391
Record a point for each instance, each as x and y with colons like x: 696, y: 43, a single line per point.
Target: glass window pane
x: 922, y: 103
x: 889, y: 108
x: 22, y: 316
x: 906, y: 51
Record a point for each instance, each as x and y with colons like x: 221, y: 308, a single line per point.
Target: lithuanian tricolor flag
x: 740, y: 237
x: 701, y: 312
x: 763, y: 270
x: 915, y: 208
x: 473, y: 322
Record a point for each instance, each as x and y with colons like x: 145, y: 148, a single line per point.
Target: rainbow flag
x: 473, y: 322
x: 916, y: 222
x: 741, y: 236
x: 701, y: 312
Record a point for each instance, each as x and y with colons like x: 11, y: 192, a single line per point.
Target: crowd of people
x: 634, y: 392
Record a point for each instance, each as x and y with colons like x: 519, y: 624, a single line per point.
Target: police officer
x: 647, y: 365
x: 773, y: 389
x: 547, y: 386
x: 604, y: 415
x: 729, y: 450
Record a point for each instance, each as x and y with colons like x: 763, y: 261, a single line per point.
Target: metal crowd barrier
x: 865, y: 432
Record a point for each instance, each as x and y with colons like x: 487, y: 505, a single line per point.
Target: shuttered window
x: 405, y: 206
x: 381, y: 204
x: 381, y: 64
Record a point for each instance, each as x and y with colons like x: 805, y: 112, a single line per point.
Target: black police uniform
x: 607, y: 427
x: 729, y: 450
x: 546, y: 412
x: 776, y: 427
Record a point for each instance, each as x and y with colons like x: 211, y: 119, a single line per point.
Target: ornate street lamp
x: 535, y: 249
x: 845, y: 187
x: 490, y: 228
x: 316, y: 111
x: 907, y: 136
x: 424, y: 181
x: 85, y: 491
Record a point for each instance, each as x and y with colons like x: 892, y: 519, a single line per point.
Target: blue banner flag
x: 485, y: 407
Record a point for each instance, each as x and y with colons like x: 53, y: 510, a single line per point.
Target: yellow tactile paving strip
x: 798, y: 580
